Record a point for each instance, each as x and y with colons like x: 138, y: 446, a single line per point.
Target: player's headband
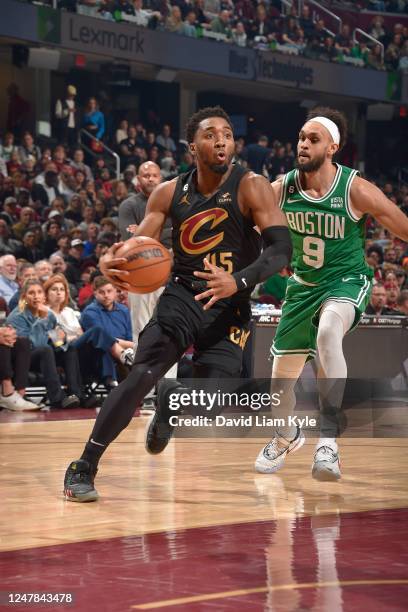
x: 330, y: 126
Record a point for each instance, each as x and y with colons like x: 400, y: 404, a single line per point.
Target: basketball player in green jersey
x: 325, y: 205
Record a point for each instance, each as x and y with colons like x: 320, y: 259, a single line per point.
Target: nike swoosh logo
x: 244, y: 281
x: 290, y: 201
x: 97, y: 443
x: 347, y: 278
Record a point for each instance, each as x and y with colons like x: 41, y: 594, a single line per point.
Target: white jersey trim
x: 326, y: 195
x: 353, y: 214
x: 283, y: 194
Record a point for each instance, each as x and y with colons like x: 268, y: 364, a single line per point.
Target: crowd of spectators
x: 383, y: 6
x: 59, y: 214
x: 261, y: 25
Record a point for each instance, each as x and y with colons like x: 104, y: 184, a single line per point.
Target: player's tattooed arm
x: 369, y: 199
x: 158, y: 207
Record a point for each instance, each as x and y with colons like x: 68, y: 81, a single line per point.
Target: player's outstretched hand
x: 220, y: 284
x: 108, y: 265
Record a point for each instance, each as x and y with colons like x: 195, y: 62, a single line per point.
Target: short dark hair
x: 205, y: 113
x: 334, y: 115
x: 100, y: 281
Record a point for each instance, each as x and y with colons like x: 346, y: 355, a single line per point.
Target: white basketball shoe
x: 273, y: 455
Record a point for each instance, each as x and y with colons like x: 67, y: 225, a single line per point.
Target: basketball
x: 148, y: 263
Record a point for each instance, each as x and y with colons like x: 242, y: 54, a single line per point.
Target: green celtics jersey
x: 328, y: 238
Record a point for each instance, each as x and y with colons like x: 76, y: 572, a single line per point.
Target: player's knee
x: 327, y: 339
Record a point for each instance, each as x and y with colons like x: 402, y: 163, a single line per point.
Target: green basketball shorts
x: 297, y: 329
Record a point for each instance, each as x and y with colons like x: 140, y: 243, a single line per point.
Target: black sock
x: 92, y: 453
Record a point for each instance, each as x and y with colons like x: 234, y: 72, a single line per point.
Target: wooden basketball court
x: 196, y: 528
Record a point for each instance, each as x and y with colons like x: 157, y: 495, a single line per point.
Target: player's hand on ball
x: 132, y: 229
x: 220, y: 284
x: 108, y: 265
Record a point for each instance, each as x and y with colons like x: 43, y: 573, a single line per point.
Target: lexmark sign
x: 128, y: 42
x: 102, y: 38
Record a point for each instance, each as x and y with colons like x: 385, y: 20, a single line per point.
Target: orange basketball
x: 148, y: 263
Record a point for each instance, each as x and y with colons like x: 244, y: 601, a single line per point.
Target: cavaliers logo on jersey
x: 190, y: 227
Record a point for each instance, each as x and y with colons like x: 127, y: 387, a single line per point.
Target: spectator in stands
x: 377, y: 28
x: 18, y: 110
x: 257, y: 154
x: 375, y: 59
x: 65, y: 112
x: 26, y: 218
x: 8, y: 245
x: 100, y: 210
x: 122, y: 131
x: 212, y: 9
x: 26, y: 272
x: 378, y: 301
x: 393, y: 52
x: 48, y: 191
x: 8, y: 147
x: 343, y: 41
x: 33, y: 320
x: 199, y: 10
x: 390, y: 256
x: 189, y: 28
x: 392, y: 296
x: 95, y: 340
x: 164, y: 140
x: 74, y: 262
x: 319, y: 31
x: 239, y: 35
x: 28, y: 149
x: 93, y: 120
x: 53, y: 232
x: 119, y: 194
x: 14, y: 366
x: 29, y: 249
x: 114, y: 318
x: 92, y: 232
x: 43, y: 270
x: 10, y: 210
x: 88, y: 215
x: 168, y: 165
x: 78, y: 163
x: 403, y: 60
x: 8, y: 275
x: 128, y: 148
x: 59, y: 157
x: 145, y: 17
x: 222, y: 24
x: 122, y: 6
x: 74, y: 210
x: 174, y: 22
x: 279, y: 163
x: 305, y: 21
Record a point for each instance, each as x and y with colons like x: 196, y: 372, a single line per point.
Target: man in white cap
x: 326, y: 205
x: 65, y: 112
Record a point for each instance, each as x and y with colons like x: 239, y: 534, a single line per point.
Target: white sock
x: 331, y: 442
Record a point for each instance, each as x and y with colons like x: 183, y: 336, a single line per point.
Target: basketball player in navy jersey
x: 214, y: 210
